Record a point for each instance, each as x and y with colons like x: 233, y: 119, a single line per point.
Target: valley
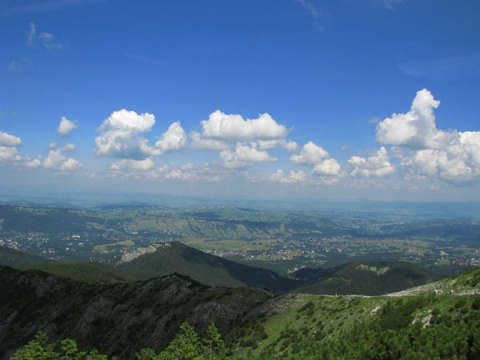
x: 281, y: 240
x: 276, y: 283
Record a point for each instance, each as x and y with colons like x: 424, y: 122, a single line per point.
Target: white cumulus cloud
x: 198, y: 142
x: 327, y: 167
x: 70, y: 165
x: 124, y: 120
x: 310, y: 154
x: 173, y: 139
x: 243, y: 156
x: 288, y: 145
x: 65, y: 127
x: 8, y: 140
x: 8, y: 153
x: 241, y: 142
x: 377, y: 165
x: 318, y: 157
x: 55, y: 160
x: 424, y: 150
x: 120, y: 135
x: 225, y: 127
x: 67, y: 147
x: 8, y: 147
x: 291, y: 178
x: 129, y: 164
x: 415, y: 129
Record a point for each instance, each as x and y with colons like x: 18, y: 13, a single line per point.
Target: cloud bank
x: 411, y: 149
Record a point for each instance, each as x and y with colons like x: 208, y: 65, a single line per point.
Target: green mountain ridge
x: 120, y: 319
x: 363, y: 278
x: 205, y: 268
x: 367, y: 278
x: 82, y: 272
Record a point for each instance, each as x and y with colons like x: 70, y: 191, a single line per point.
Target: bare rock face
x: 117, y: 319
x: 129, y: 256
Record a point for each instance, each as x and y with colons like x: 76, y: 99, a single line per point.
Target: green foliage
x: 37, y: 349
x: 187, y: 345
x: 425, y: 326
x: 213, y: 344
x: 146, y: 354
x: 400, y: 313
x: 40, y: 349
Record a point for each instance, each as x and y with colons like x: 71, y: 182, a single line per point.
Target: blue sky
x: 348, y: 99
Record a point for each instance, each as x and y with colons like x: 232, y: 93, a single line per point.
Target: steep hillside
x: 367, y: 278
x: 467, y: 283
x: 207, y: 269
x: 117, y: 319
x: 431, y: 324
x: 120, y: 319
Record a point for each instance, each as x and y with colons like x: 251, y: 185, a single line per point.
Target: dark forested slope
x: 117, y: 319
x: 366, y: 278
x: 12, y: 257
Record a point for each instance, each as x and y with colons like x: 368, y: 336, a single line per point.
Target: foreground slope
x: 207, y: 269
x: 428, y: 325
x: 118, y: 319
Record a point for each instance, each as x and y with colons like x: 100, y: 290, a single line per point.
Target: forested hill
x: 366, y: 278
x: 175, y: 257
x: 118, y: 319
